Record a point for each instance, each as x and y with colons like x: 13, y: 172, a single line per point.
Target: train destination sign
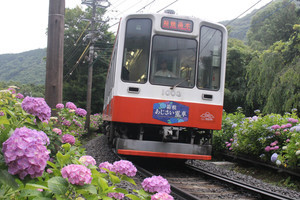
x: 177, y: 24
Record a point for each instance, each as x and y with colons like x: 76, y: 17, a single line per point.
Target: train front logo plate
x: 170, y: 112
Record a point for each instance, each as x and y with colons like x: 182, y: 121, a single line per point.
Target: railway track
x: 190, y: 182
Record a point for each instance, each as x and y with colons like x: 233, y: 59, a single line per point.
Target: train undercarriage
x: 159, y: 141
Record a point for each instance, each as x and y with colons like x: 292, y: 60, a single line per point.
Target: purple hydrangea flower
x: 1, y: 113
x: 87, y: 160
x: 37, y: 107
x: 274, y: 157
x: 161, y: 196
x: 71, y: 106
x: 81, y: 112
x: 116, y: 195
x: 105, y: 165
x: 67, y: 138
x: 77, y: 174
x: 59, y: 106
x: 19, y: 96
x: 295, y: 128
x: 66, y: 123
x: 25, y: 153
x: 156, y: 184
x: 125, y: 167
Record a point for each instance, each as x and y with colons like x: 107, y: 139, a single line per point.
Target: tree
x: 238, y: 57
x: 75, y: 69
x: 273, y: 77
x: 272, y: 24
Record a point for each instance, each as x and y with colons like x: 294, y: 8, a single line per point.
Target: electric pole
x: 92, y: 35
x: 55, y: 47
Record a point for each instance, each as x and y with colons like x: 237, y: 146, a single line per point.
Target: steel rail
x: 264, y: 193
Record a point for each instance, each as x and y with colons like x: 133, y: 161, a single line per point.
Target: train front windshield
x: 173, y: 59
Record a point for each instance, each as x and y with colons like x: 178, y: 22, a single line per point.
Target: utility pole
x: 55, y: 47
x: 93, y: 37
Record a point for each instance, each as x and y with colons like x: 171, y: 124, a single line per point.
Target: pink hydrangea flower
x: 268, y: 148
x: 276, y: 127
x: 274, y: 143
x: 116, y: 195
x: 292, y: 120
x: 77, y: 174
x: 25, y: 153
x: 156, y: 184
x: 71, y: 106
x: 37, y: 107
x: 125, y: 167
x: 67, y: 138
x: 59, y: 106
x: 13, y: 91
x: 57, y: 130
x: 81, y: 112
x: 105, y: 165
x: 87, y: 160
x: 161, y: 196
x: 19, y: 96
x: 49, y: 171
x: 1, y: 113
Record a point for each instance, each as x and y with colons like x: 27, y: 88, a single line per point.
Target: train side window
x: 209, y: 69
x: 136, y: 50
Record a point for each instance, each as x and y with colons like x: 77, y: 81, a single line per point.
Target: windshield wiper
x: 174, y: 86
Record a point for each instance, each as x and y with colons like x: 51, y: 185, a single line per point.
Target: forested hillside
x: 26, y: 67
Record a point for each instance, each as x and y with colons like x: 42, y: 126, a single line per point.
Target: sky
x: 24, y: 22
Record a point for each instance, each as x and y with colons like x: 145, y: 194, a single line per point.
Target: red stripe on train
x: 140, y: 111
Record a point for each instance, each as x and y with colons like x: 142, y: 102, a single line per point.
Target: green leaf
x: 121, y: 190
x: 86, y: 188
x: 62, y: 159
x: 133, y: 197
x: 30, y: 193
x: 66, y: 147
x: 130, y: 180
x: 92, y: 197
x: 41, y: 198
x: 58, y: 185
x: 114, y: 179
x: 103, y: 183
x: 8, y: 179
x: 4, y: 120
x: 34, y: 186
x: 52, y: 164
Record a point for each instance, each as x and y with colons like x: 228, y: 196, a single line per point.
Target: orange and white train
x: 165, y: 111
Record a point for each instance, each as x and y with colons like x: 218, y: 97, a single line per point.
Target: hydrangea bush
x: 263, y: 137
x: 41, y: 157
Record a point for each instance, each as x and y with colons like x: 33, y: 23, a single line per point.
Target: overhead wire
x: 166, y: 6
